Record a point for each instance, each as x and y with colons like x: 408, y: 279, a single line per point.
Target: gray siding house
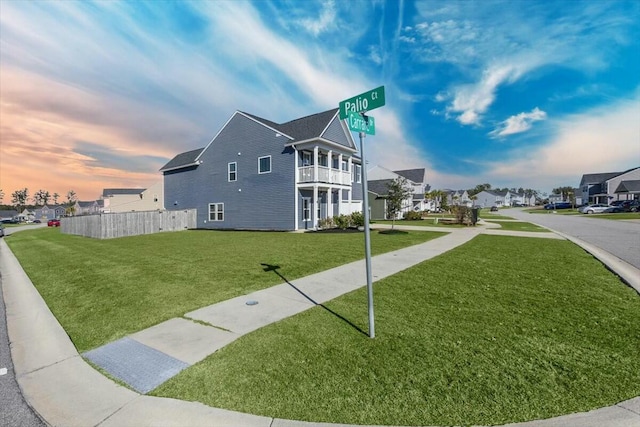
x: 259, y: 175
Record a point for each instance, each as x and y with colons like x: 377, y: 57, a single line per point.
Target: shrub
x: 342, y: 221
x: 357, y: 219
x: 412, y: 216
x: 326, y: 223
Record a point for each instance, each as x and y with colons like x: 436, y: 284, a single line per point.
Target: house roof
x: 8, y: 214
x: 121, y: 191
x: 379, y: 187
x: 632, y: 186
x: 597, y: 178
x: 182, y: 160
x: 415, y: 175
x: 304, y: 128
x: 86, y: 204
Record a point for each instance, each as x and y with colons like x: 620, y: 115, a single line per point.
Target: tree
x: 19, y: 198
x: 71, y: 200
x: 436, y: 196
x: 398, y: 191
x: 563, y: 191
x: 41, y: 197
x: 55, y: 196
x: 1, y: 195
x: 478, y: 188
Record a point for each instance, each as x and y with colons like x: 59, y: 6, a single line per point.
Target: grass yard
x: 520, y: 329
x: 102, y: 290
x: 488, y: 216
x: 518, y: 226
x: 429, y: 222
x: 618, y: 216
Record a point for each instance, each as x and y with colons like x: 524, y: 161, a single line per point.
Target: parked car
x: 599, y: 208
x: 53, y: 223
x: 627, y: 205
x: 36, y: 221
x: 558, y: 205
x: 493, y: 209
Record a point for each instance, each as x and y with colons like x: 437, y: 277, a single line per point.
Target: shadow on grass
x: 274, y: 268
x: 393, y: 231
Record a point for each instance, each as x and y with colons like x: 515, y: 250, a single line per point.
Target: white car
x: 597, y: 208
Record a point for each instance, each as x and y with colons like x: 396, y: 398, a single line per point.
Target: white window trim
x: 229, y: 172
x: 307, y: 209
x: 216, y: 211
x: 356, y: 173
x: 270, y: 165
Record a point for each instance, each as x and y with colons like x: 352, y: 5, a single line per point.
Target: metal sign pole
x: 367, y: 235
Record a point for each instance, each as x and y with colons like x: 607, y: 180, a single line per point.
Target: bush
x: 412, y: 216
x: 326, y: 223
x: 342, y: 221
x: 464, y: 215
x: 357, y: 219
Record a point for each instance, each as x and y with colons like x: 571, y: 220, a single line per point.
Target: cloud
x: 496, y: 43
x: 583, y: 144
x: 325, y: 22
x: 519, y: 123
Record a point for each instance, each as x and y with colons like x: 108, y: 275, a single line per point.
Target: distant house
x: 133, y: 199
x: 378, y: 179
x: 91, y: 207
x: 488, y: 198
x: 602, y: 187
x: 8, y: 215
x: 261, y: 175
x: 458, y: 198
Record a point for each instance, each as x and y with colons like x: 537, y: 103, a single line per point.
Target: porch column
x: 349, y: 198
x: 340, y: 173
x: 315, y: 166
x: 350, y: 170
x: 314, y: 208
x: 295, y: 188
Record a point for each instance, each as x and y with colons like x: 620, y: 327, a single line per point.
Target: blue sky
x: 514, y: 93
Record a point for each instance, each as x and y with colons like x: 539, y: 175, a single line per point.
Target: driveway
x: 618, y: 237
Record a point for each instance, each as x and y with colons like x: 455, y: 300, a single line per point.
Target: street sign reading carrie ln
x: 364, y: 102
x: 357, y: 123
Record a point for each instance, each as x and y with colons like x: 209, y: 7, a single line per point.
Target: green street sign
x: 364, y: 102
x: 357, y: 123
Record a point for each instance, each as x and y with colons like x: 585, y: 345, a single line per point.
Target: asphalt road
x: 618, y: 237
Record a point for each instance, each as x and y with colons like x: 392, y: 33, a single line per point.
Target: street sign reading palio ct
x: 364, y: 102
x: 358, y: 123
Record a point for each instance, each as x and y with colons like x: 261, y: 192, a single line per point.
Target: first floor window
x: 264, y: 164
x: 216, y: 211
x: 306, y: 209
x: 232, y: 170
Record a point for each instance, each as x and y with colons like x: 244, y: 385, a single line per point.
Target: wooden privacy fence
x: 112, y: 225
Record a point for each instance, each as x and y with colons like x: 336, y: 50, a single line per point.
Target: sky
x: 530, y: 94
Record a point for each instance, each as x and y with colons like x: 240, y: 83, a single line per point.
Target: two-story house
x: 379, y: 178
x: 488, y: 198
x: 602, y: 187
x: 133, y: 199
x: 260, y: 175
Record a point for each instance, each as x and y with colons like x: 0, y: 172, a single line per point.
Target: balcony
x: 325, y: 175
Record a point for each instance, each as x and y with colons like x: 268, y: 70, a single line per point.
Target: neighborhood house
x: 260, y: 175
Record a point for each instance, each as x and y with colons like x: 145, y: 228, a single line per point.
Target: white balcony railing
x: 325, y: 175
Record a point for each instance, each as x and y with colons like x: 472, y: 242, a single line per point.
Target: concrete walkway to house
x: 66, y: 391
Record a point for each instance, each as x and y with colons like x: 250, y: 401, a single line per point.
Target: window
x: 355, y: 173
x: 216, y: 211
x: 306, y: 209
x: 323, y: 160
x: 264, y: 164
x: 306, y: 158
x: 232, y: 171
x: 345, y: 165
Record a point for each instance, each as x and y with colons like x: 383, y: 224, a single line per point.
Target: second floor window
x: 264, y: 164
x: 356, y: 173
x: 232, y: 170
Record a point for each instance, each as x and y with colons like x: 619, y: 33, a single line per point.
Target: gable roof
x: 414, y: 175
x: 121, y: 191
x: 597, y: 178
x: 632, y: 186
x: 379, y: 187
x: 182, y: 160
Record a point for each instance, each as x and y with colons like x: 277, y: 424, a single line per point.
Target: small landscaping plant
x: 412, y: 216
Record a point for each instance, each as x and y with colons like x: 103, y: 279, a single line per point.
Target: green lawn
x: 619, y: 216
x: 518, y: 226
x: 102, y: 290
x: 428, y: 222
x: 501, y: 329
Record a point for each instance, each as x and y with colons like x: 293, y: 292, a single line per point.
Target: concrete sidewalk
x: 66, y: 391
